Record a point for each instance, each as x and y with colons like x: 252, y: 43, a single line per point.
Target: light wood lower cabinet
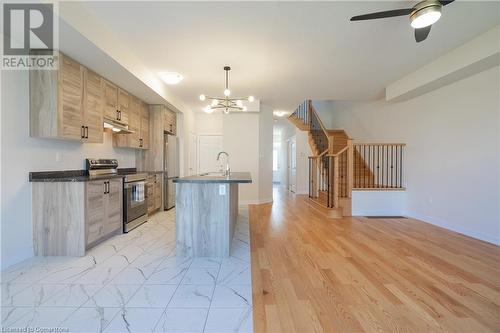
x: 154, y: 192
x: 71, y: 217
x: 103, y: 213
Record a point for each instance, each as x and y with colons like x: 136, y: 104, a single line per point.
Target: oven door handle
x: 132, y: 184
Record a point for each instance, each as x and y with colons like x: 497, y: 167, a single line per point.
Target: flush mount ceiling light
x: 171, y: 77
x: 280, y: 113
x: 422, y: 16
x: 226, y: 103
x: 425, y: 14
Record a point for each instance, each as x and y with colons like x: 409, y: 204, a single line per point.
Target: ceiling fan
x: 422, y: 16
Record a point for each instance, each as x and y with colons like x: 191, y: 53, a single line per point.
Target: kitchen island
x: 206, y: 213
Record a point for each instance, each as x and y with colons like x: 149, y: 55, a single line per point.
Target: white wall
x: 241, y: 142
x: 452, y: 154
x: 21, y: 154
x: 208, y: 124
x: 378, y: 203
x: 247, y: 138
x: 265, y: 154
x: 303, y: 151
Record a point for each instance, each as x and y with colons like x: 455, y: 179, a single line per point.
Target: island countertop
x: 215, y: 177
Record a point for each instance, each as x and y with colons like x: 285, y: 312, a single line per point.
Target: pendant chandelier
x: 226, y: 103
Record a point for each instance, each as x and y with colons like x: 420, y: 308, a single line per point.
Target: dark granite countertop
x: 216, y: 177
x: 77, y: 175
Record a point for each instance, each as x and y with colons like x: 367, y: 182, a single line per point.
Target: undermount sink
x: 213, y: 174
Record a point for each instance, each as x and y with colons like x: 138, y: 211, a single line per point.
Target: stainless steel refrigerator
x: 171, y: 169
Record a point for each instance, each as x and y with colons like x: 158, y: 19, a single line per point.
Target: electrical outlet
x: 222, y: 189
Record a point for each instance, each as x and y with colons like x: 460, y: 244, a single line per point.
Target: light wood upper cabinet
x: 110, y: 100
x: 144, y: 125
x: 170, y: 122
x: 64, y: 105
x: 116, y: 103
x: 123, y: 105
x: 70, y: 98
x: 138, y: 113
x: 93, y: 99
x: 134, y: 122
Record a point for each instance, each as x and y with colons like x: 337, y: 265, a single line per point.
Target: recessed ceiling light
x: 171, y: 77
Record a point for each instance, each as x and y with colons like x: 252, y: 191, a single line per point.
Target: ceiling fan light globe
x: 425, y: 17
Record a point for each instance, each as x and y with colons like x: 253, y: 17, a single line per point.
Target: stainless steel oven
x: 135, y: 207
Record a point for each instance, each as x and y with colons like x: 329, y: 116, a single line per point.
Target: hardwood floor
x: 313, y: 274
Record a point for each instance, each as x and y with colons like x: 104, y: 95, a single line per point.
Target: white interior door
x: 208, y: 148
x: 193, y: 152
x: 292, y: 165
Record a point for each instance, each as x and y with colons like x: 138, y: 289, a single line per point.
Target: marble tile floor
x: 133, y: 283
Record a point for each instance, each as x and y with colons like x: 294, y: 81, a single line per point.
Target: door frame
x: 292, y: 140
x: 193, y: 151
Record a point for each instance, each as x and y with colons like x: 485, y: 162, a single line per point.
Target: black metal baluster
x: 387, y: 167
x: 392, y: 164
x: 378, y: 166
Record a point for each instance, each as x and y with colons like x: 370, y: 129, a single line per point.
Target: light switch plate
x: 222, y: 189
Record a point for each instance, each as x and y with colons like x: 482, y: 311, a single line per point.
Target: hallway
x: 313, y: 274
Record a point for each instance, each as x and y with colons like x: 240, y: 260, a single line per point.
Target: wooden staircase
x: 338, y: 165
x: 330, y: 178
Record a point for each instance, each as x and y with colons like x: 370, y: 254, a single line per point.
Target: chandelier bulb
x: 202, y: 97
x: 214, y: 102
x: 251, y: 99
x: 239, y: 103
x: 245, y: 109
x: 227, y: 92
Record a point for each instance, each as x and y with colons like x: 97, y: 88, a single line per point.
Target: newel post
x: 350, y: 167
x: 335, y: 181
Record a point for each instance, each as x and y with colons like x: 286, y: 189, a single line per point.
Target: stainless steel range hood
x: 116, y: 126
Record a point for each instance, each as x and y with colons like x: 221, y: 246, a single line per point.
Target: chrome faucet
x: 228, y: 169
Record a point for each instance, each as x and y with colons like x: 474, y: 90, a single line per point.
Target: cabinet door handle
x: 82, y: 132
x: 104, y: 187
x: 86, y: 132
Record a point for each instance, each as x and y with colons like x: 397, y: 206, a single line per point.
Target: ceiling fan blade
x: 446, y: 2
x: 422, y: 33
x: 387, y: 13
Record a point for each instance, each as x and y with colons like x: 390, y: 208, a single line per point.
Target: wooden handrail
x: 320, y: 122
x: 339, y: 152
x: 379, y: 144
